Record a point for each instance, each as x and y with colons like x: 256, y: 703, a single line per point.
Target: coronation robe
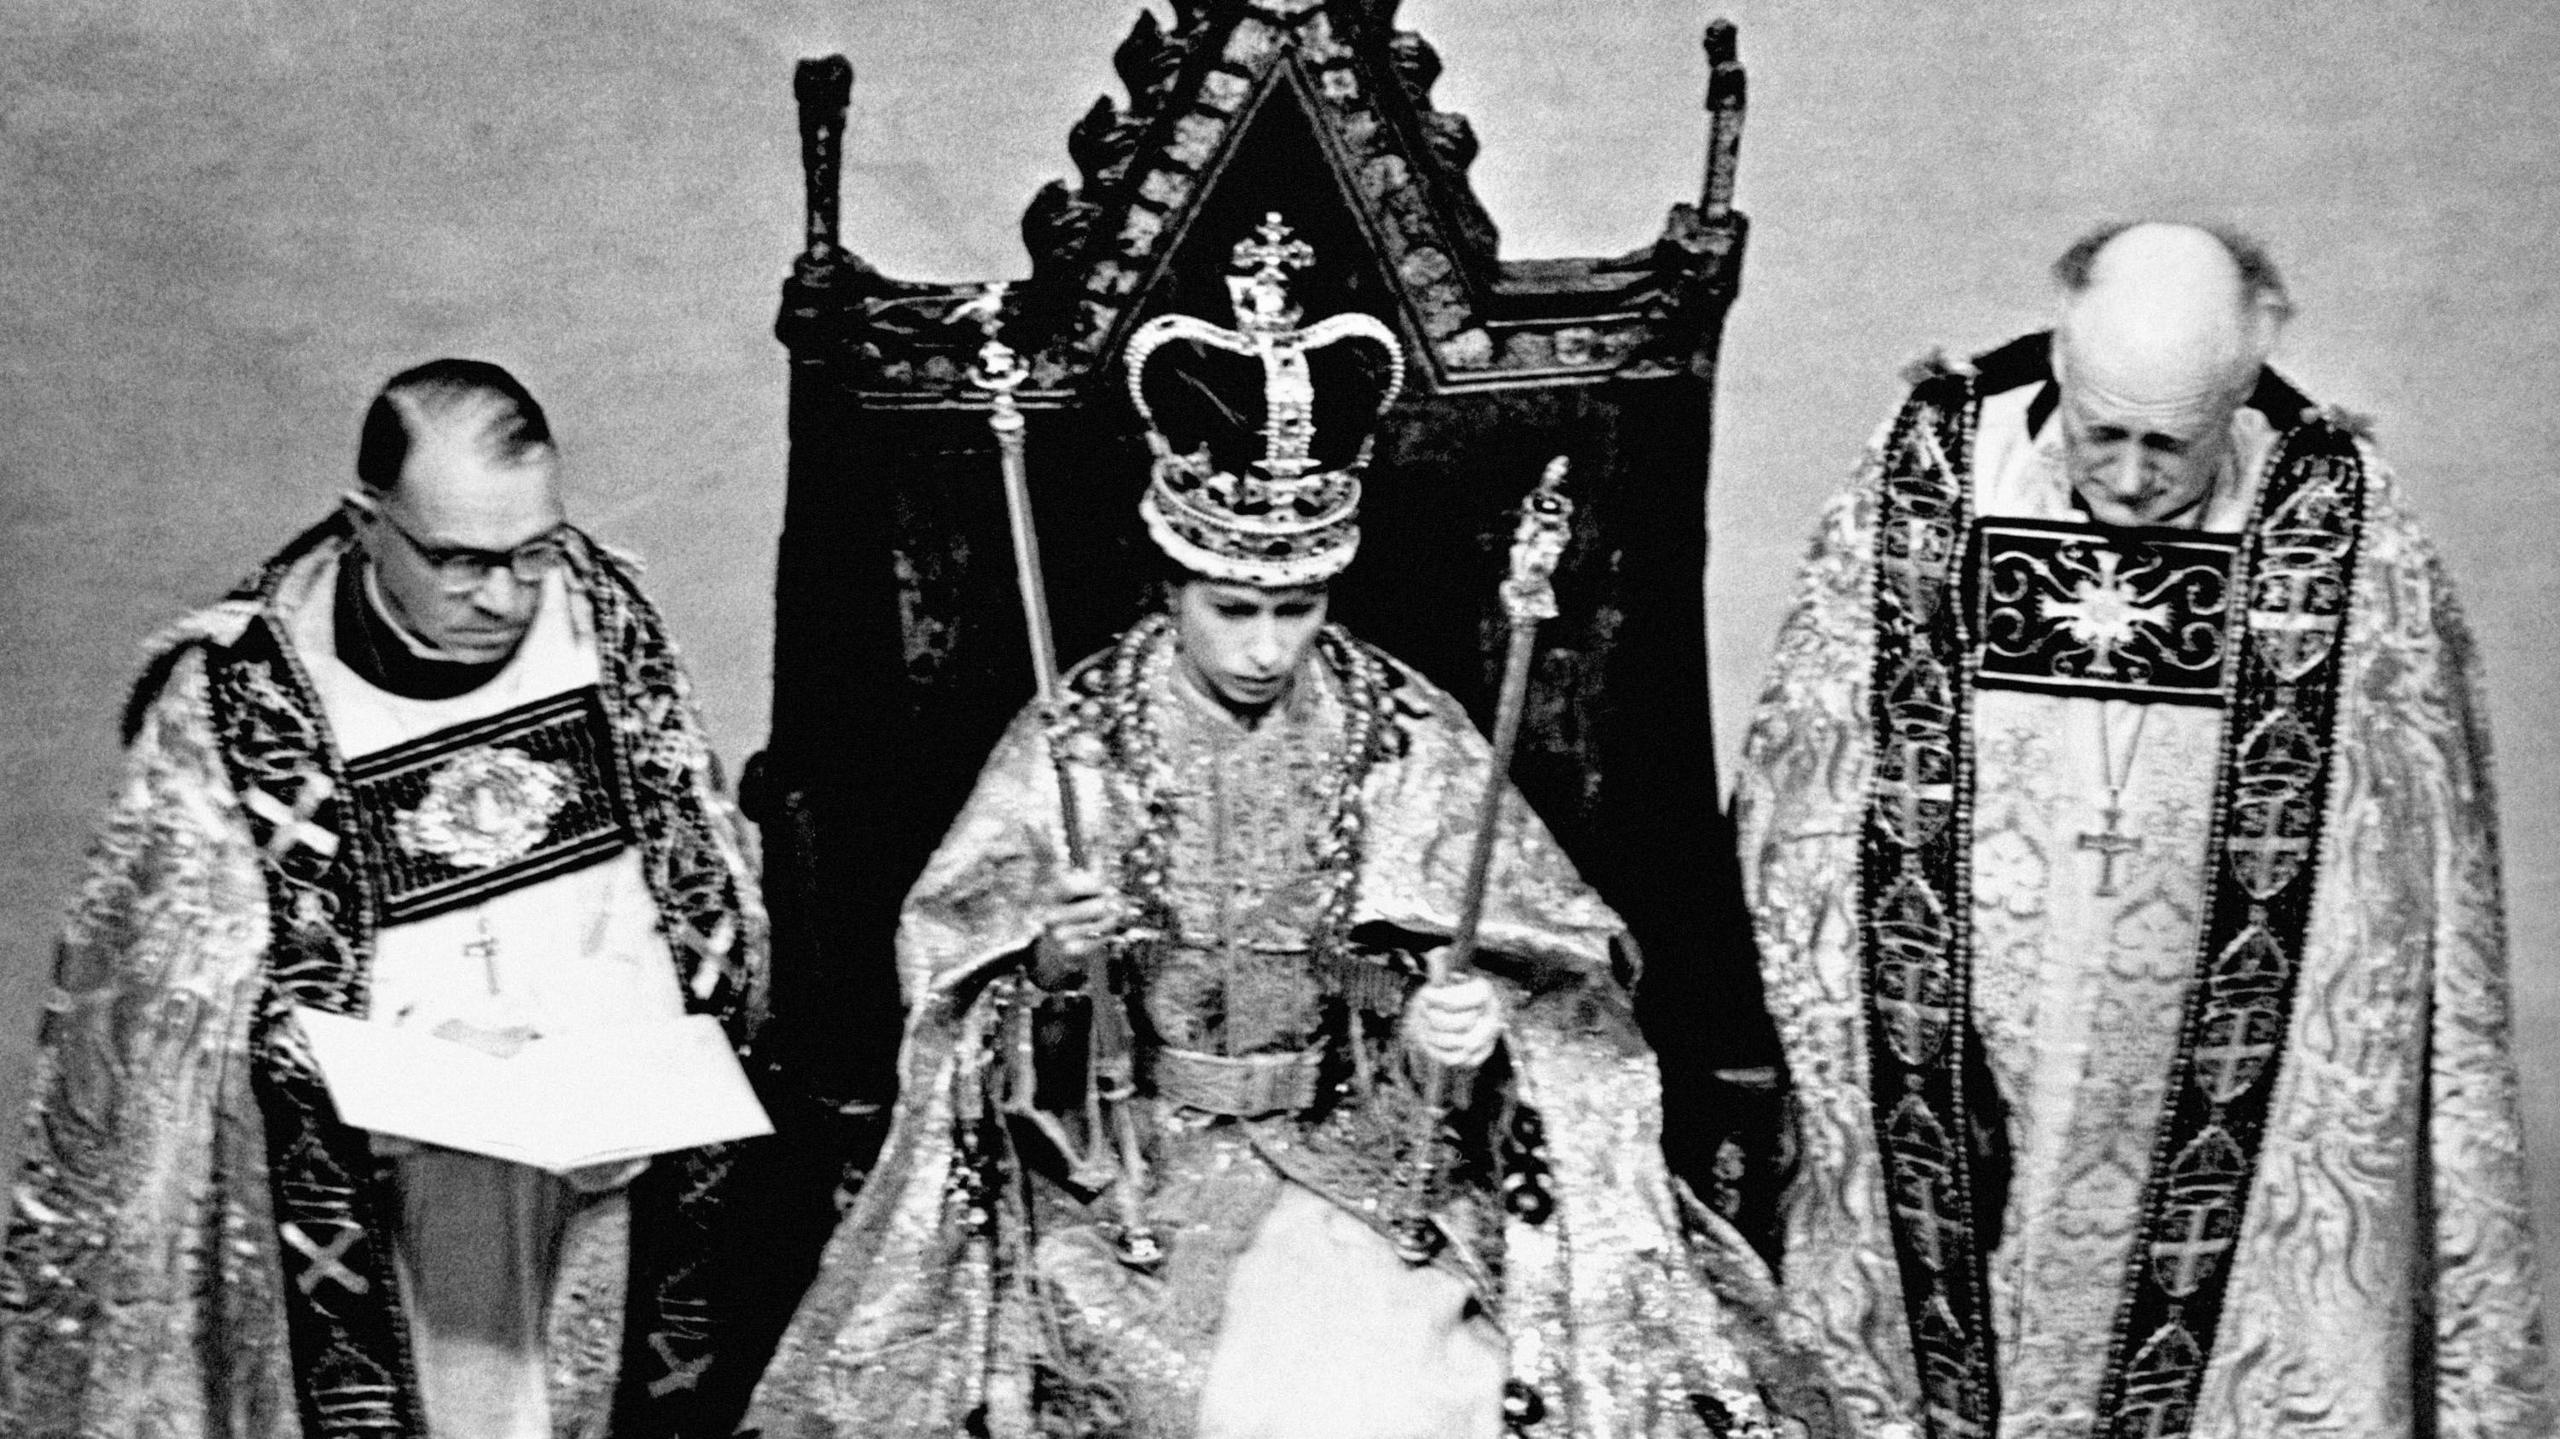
x: 2128, y: 905
x: 1285, y: 876
x: 199, y: 1245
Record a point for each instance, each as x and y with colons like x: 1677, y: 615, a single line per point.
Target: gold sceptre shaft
x: 1000, y: 372
x: 1528, y: 597
x: 1110, y: 1081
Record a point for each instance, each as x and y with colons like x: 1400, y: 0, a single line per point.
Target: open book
x: 560, y: 1102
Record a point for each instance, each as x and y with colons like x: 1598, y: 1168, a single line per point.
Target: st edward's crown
x: 1274, y: 503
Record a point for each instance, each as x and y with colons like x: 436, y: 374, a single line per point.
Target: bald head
x: 2166, y: 319
x: 2164, y: 328
x: 471, y: 404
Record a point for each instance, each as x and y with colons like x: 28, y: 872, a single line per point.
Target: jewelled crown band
x: 1286, y: 515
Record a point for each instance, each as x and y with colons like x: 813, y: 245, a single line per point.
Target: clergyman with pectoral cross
x: 386, y: 1082
x: 2167, y: 799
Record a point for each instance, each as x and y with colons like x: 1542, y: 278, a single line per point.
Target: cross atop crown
x: 1243, y: 487
x: 1261, y: 298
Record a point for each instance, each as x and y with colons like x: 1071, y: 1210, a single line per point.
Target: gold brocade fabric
x: 1246, y: 879
x: 147, y: 1150
x: 2078, y: 1001
x: 145, y: 1281
x: 936, y: 1312
x: 157, y: 1148
x: 2384, y: 1283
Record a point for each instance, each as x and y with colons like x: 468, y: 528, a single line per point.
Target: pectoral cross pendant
x: 2111, y: 844
x: 483, y: 946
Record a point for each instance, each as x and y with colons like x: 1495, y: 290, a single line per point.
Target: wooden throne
x: 899, y: 644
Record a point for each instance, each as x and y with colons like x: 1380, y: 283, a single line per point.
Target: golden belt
x: 1242, y: 1086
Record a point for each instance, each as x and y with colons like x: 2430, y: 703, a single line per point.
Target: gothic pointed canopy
x: 1327, y: 108
x: 900, y: 646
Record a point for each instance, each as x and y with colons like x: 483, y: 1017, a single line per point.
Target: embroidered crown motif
x: 1275, y: 503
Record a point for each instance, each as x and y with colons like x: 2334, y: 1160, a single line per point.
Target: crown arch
x: 899, y: 644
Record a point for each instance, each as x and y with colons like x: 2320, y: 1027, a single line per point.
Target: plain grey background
x: 222, y: 222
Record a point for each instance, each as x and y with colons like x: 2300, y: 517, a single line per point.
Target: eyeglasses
x: 459, y: 569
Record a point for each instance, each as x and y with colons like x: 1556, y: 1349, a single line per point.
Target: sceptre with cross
x: 1112, y: 1156
x: 1528, y: 597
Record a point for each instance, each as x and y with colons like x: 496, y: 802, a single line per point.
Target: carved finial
x: 1097, y: 142
x: 824, y: 87
x: 1719, y: 40
x: 1416, y: 61
x: 1141, y: 57
x: 1725, y: 86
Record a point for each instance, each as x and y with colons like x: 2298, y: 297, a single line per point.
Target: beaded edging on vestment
x: 2275, y: 669
x: 333, y: 1204
x: 463, y: 815
x: 1914, y: 897
x: 2272, y: 793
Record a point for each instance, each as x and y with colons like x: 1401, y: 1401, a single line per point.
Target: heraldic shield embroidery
x: 1914, y: 901
x: 474, y: 811
x: 2247, y: 624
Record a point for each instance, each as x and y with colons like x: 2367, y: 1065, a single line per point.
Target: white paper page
x: 560, y: 1103
x: 644, y: 1089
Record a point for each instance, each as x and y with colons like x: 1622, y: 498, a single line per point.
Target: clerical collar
x: 382, y: 654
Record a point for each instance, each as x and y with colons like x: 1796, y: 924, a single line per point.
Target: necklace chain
x: 2107, y: 772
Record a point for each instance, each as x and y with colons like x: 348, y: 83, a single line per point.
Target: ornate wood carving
x: 899, y: 641
x: 1104, y: 250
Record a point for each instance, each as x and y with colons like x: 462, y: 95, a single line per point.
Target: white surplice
x: 481, y: 1240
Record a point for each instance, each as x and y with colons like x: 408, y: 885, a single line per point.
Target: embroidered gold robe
x: 967, y: 1291
x: 155, y: 1281
x: 2381, y: 1280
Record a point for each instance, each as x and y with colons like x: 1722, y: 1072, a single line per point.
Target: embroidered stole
x: 329, y: 891
x: 461, y: 816
x: 2271, y: 662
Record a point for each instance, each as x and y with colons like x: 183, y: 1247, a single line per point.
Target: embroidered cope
x: 2224, y: 1173
x: 198, y: 1246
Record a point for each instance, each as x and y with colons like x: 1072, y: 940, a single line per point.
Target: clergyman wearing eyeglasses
x: 431, y: 777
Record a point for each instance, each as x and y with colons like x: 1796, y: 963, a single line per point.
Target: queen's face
x: 1242, y: 645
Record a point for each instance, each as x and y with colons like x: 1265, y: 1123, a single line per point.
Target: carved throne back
x: 900, y: 650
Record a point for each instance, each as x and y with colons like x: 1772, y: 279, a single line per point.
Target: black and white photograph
x: 1279, y: 719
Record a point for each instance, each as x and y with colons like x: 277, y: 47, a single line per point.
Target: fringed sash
x: 2295, y: 573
